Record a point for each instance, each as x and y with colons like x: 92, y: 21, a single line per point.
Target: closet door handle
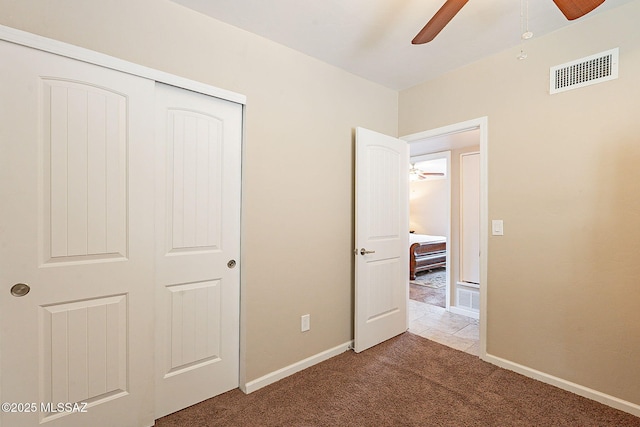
x: 20, y: 289
x: 363, y: 251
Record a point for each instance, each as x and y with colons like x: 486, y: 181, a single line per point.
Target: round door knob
x: 231, y: 263
x: 20, y: 289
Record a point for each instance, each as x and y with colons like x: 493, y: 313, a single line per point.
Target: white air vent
x: 469, y: 299
x: 587, y: 71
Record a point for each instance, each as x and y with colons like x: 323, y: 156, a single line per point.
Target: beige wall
x: 428, y: 207
x: 563, y: 282
x: 563, y: 291
x: 297, y: 195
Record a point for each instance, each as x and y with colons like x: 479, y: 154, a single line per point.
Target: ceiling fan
x: 416, y: 174
x: 572, y: 9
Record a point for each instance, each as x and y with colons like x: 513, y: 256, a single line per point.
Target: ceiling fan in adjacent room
x: 416, y: 174
x: 572, y: 9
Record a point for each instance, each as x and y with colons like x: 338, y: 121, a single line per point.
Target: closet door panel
x: 77, y: 190
x: 198, y: 247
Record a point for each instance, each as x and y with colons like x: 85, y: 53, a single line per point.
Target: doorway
x: 457, y: 325
x: 430, y: 228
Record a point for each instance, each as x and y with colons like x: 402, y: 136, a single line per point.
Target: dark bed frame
x: 426, y: 256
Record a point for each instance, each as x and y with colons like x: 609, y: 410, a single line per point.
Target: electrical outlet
x: 305, y: 322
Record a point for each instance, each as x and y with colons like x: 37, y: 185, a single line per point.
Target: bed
x: 426, y: 253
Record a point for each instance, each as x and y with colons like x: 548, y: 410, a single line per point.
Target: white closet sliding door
x: 76, y: 197
x: 198, y: 247
x: 119, y: 240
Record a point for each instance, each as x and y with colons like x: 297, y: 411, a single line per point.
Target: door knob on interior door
x: 363, y: 251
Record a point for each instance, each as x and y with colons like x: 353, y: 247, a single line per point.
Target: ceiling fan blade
x: 442, y: 17
x: 574, y: 9
x: 420, y: 174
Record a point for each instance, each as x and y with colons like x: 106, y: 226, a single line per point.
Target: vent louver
x: 468, y: 299
x: 593, y: 69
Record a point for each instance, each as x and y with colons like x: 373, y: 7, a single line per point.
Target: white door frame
x: 75, y: 52
x: 442, y: 155
x: 481, y: 124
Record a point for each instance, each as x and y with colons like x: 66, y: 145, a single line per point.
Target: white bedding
x: 425, y: 238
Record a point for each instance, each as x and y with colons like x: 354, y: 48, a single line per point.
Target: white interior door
x: 76, y: 194
x: 470, y: 218
x: 198, y: 247
x: 382, y: 238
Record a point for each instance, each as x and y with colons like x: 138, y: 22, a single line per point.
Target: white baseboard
x: 464, y: 312
x: 272, y: 377
x: 578, y: 389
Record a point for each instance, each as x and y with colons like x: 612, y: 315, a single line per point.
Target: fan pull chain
x: 524, y: 27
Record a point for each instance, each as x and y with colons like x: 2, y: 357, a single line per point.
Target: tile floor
x: 439, y: 325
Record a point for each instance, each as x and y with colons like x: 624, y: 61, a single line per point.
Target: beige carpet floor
x: 406, y: 381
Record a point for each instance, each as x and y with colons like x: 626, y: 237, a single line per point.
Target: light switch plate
x: 497, y: 227
x: 305, y: 322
